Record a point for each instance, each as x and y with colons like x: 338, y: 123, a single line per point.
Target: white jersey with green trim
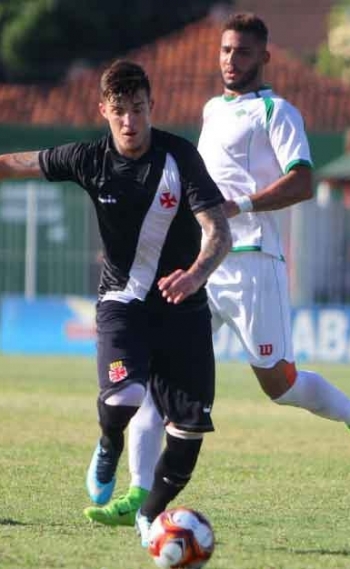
x: 248, y: 142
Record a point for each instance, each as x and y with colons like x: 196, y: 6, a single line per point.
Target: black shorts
x: 172, y: 348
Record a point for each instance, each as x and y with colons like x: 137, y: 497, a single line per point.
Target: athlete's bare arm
x: 20, y: 165
x: 216, y: 245
x: 180, y: 284
x: 292, y: 188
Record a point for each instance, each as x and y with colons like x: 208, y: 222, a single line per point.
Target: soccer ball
x: 181, y: 538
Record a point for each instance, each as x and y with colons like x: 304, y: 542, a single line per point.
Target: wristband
x: 244, y: 203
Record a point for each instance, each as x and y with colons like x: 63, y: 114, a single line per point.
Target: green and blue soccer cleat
x: 121, y: 511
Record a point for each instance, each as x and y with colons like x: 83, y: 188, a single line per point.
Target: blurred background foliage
x: 40, y: 39
x: 333, y: 57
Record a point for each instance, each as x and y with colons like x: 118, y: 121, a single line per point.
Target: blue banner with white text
x: 66, y: 325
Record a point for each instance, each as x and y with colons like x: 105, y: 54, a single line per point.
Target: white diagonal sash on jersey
x: 152, y: 236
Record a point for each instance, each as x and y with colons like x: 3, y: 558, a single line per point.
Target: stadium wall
x: 66, y: 326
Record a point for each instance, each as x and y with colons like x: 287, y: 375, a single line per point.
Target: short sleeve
x: 288, y: 137
x: 71, y: 162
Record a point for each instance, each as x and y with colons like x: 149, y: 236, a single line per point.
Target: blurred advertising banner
x: 48, y: 325
x: 66, y: 325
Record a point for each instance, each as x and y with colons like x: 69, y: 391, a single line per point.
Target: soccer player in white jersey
x: 255, y: 148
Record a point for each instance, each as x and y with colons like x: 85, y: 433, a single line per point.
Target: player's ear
x: 102, y: 109
x: 151, y: 104
x: 266, y: 57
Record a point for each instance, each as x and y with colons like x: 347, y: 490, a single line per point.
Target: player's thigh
x: 183, y: 370
x: 254, y: 302
x: 122, y: 345
x: 268, y: 319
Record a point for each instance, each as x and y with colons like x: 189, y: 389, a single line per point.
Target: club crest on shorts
x: 265, y: 349
x: 117, y: 371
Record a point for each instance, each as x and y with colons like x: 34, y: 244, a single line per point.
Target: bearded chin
x: 245, y: 81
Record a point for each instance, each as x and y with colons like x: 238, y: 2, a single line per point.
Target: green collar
x: 232, y: 97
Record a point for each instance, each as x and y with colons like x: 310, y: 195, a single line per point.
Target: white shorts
x: 249, y: 292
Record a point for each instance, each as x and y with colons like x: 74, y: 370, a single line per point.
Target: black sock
x: 172, y: 473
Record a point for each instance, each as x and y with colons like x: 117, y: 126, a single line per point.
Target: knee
x: 114, y: 418
x: 132, y: 394
x: 276, y: 381
x: 177, y: 433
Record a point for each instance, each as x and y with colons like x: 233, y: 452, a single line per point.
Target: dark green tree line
x: 39, y: 39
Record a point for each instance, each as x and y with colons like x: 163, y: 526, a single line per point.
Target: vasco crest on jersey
x: 167, y: 199
x: 117, y: 371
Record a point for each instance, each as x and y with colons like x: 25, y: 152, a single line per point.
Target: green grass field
x: 274, y: 481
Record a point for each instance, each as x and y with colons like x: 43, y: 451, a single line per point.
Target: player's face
x: 129, y: 118
x: 242, y: 58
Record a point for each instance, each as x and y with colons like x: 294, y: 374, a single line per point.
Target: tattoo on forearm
x: 19, y: 164
x: 217, y: 240
x: 25, y: 160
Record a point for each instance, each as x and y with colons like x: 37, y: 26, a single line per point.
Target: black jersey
x: 144, y: 207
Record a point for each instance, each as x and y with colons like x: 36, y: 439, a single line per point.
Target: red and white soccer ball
x: 181, y: 538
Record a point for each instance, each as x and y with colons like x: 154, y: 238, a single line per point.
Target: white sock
x: 146, y: 431
x: 312, y: 392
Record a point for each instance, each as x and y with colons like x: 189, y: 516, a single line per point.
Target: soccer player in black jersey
x: 153, y: 198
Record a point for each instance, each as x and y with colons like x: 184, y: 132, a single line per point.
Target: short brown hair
x: 123, y: 77
x: 247, y: 22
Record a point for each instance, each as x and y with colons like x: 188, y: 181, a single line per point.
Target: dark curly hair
x: 247, y: 22
x: 123, y: 77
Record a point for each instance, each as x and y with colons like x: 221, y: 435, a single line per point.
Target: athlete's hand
x: 178, y: 285
x: 230, y: 208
